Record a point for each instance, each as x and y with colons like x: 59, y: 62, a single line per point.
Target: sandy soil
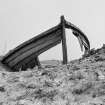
x: 81, y: 82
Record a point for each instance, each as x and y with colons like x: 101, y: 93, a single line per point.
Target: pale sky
x: 21, y: 20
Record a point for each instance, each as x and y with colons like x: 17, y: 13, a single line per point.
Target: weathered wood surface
x: 77, y: 31
x: 25, y: 55
x: 64, y: 46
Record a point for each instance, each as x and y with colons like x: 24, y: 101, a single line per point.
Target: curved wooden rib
x: 26, y: 55
x: 78, y: 33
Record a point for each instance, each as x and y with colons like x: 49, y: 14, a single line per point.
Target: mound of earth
x: 80, y: 82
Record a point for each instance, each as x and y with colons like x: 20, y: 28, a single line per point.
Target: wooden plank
x: 64, y: 47
x: 75, y: 28
x: 34, y: 50
x: 33, y: 45
x: 32, y: 40
x: 32, y: 56
x: 26, y: 55
x: 38, y: 62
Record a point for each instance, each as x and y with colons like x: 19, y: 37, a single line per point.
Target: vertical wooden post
x: 38, y: 62
x: 64, y: 46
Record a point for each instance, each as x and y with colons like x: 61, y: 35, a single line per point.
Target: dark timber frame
x: 64, y: 46
x: 26, y: 55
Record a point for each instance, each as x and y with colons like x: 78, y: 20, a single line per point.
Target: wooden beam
x: 36, y: 50
x: 64, y: 46
x: 38, y: 62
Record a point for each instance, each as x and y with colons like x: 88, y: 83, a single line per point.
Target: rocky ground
x: 81, y: 82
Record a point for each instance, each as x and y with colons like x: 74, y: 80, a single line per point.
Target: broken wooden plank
x: 84, y: 38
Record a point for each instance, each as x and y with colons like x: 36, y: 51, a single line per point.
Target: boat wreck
x: 26, y: 55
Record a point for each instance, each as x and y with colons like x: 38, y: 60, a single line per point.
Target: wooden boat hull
x: 26, y: 55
